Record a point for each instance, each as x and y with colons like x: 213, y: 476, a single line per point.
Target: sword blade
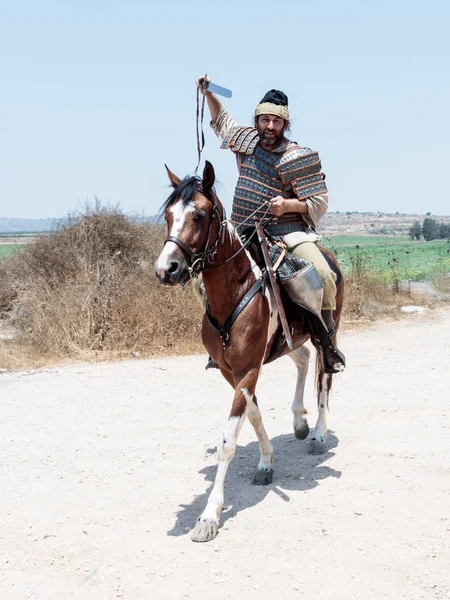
x: 218, y: 89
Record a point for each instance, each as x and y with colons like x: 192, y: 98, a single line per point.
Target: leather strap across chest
x: 224, y: 331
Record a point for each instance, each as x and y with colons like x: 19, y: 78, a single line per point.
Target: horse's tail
x: 340, y: 290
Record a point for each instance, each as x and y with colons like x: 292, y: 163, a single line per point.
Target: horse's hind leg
x: 264, y: 473
x: 208, y: 523
x: 300, y: 356
x: 317, y: 444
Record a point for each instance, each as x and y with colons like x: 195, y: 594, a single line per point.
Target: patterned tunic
x: 264, y: 174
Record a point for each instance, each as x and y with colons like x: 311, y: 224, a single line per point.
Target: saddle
x: 249, y: 232
x: 300, y: 286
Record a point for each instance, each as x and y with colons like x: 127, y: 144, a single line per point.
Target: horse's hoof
x: 205, y: 530
x: 302, y: 432
x: 263, y: 477
x: 316, y: 447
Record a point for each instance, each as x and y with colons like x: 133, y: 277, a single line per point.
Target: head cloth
x: 275, y: 103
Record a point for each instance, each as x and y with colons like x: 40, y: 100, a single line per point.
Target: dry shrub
x: 370, y: 299
x: 90, y: 288
x: 10, y: 272
x: 441, y: 283
x: 367, y: 298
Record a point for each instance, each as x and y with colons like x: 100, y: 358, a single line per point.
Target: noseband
x: 198, y: 261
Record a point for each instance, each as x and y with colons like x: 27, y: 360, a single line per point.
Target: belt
x: 284, y: 228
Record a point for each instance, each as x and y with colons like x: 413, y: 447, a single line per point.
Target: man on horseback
x: 278, y: 177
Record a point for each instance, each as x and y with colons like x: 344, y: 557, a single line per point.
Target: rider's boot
x: 211, y: 364
x: 334, y: 360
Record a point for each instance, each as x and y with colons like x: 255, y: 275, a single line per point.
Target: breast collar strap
x: 224, y: 331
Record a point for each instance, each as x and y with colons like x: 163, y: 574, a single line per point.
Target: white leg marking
x: 265, y: 445
x: 301, y: 360
x: 225, y: 452
x: 179, y: 213
x: 320, y: 432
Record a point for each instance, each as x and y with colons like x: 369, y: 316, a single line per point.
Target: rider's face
x: 270, y: 129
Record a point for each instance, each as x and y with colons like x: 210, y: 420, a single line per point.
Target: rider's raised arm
x: 221, y: 121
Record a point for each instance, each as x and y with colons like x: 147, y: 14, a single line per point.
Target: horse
x: 200, y: 240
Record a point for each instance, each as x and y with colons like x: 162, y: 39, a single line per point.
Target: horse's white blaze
x: 225, y: 452
x: 265, y: 445
x: 179, y: 213
x: 301, y: 360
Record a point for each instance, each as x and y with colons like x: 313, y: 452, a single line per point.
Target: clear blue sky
x: 96, y: 96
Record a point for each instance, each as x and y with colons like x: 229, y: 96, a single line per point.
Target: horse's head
x: 193, y: 214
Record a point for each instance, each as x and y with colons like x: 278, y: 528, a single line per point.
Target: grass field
x: 391, y: 258
x: 8, y: 249
x: 365, y: 240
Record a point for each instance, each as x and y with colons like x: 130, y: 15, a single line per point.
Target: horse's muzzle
x: 174, y: 274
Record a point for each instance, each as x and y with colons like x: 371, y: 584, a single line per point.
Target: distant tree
x: 430, y: 229
x: 444, y: 231
x: 428, y: 214
x: 415, y: 231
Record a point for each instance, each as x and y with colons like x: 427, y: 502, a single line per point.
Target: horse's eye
x: 199, y: 215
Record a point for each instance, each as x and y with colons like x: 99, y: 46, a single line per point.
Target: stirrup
x: 211, y: 364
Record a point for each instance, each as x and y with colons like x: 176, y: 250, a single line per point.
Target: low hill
x: 350, y: 223
x: 13, y: 225
x: 16, y: 225
x: 358, y: 223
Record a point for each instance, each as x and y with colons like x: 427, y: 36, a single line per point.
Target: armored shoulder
x: 301, y: 168
x: 241, y: 139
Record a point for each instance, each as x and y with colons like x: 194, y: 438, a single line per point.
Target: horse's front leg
x: 264, y: 473
x: 207, y: 524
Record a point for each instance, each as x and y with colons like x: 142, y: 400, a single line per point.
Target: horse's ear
x: 174, y: 180
x: 209, y: 176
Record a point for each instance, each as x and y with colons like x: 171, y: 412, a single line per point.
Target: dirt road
x: 105, y: 467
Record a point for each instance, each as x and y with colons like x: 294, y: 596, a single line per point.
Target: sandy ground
x: 105, y: 468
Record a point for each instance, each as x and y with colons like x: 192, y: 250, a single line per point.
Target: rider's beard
x: 269, y: 137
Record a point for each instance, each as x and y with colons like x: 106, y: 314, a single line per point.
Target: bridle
x: 203, y: 261
x: 199, y: 261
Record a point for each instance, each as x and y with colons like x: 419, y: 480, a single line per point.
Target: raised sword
x: 216, y: 89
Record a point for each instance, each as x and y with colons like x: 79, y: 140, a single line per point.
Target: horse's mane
x: 185, y: 192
